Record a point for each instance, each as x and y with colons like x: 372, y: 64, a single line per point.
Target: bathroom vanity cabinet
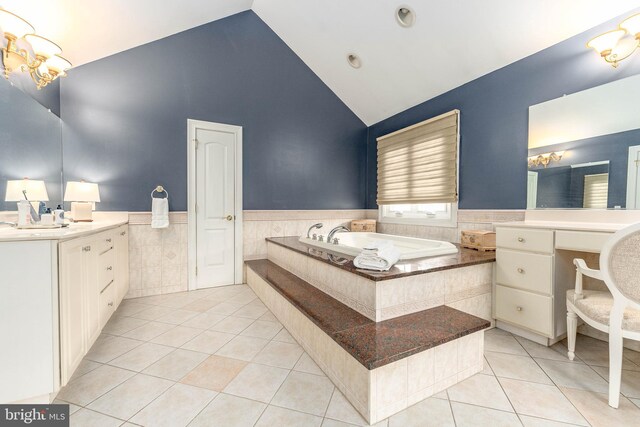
x: 58, y: 288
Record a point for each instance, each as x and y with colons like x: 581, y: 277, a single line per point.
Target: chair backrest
x: 620, y: 263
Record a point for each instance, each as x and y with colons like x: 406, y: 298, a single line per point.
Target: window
x: 418, y: 172
x: 596, y: 191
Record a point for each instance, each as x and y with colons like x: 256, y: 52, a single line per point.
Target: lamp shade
x: 632, y: 25
x: 81, y: 192
x: 14, y: 25
x: 606, y: 42
x: 36, y: 190
x: 42, y: 46
x: 58, y: 64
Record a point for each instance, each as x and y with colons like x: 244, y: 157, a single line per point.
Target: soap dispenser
x: 58, y: 215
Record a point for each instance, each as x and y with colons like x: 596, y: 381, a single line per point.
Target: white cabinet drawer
x: 106, y: 263
x: 524, y: 270
x: 525, y: 309
x: 107, y: 304
x: 525, y: 239
x: 587, y: 241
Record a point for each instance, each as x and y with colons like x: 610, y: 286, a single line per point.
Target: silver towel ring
x: 160, y: 189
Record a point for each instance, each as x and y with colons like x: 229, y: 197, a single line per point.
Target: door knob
x: 229, y: 217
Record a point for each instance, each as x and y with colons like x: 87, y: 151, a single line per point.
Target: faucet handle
x: 315, y: 236
x: 336, y: 241
x: 321, y: 238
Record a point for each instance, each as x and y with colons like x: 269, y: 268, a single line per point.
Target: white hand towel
x: 159, y: 213
x: 380, y: 256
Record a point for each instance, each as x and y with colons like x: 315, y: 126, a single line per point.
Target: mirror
x: 584, y: 149
x: 30, y: 144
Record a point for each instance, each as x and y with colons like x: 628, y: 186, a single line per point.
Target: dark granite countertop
x: 373, y: 344
x: 465, y: 257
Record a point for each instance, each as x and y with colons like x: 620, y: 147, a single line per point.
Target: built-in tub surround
x: 381, y: 368
x: 462, y: 280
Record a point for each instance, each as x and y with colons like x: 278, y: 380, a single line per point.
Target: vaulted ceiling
x: 451, y: 42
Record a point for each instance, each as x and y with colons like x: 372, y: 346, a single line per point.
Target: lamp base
x: 82, y: 211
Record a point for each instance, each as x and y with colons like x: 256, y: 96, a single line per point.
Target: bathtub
x: 410, y: 247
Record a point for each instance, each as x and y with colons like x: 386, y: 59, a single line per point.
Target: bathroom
x: 274, y: 213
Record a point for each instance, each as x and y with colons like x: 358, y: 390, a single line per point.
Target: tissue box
x: 363, y: 225
x: 478, y: 239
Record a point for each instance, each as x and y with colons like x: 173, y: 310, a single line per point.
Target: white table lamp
x: 35, y: 189
x: 83, y: 195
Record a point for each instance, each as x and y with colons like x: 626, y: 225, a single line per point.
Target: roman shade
x: 596, y: 191
x: 419, y: 164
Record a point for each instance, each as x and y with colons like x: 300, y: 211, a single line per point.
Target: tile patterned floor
x: 218, y: 357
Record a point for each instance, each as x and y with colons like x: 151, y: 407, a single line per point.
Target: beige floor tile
x: 250, y: 311
x: 204, y: 320
x: 540, y: 400
x: 285, y: 336
x: 630, y: 386
x: 279, y: 354
x: 215, y: 373
x: 257, y: 382
x: 304, y: 392
x: 85, y: 418
x: 108, y: 347
x: 242, y: 298
x: 119, y: 325
x: 130, y: 396
x: 486, y: 369
x: 229, y: 411
x: 176, y: 407
x: 442, y: 395
x: 224, y: 308
x: 152, y: 313
x: 275, y: 416
x: 573, y: 375
x: 481, y: 390
x: 269, y: 317
x: 178, y: 301
x: 557, y: 351
x: 177, y: 317
x: 177, y: 337
x: 470, y: 415
x: 595, y: 408
x: 141, y: 356
x: 223, y: 293
x: 428, y: 413
x: 243, y: 348
x: 517, y: 367
x: 72, y: 408
x: 130, y: 308
x: 328, y: 422
x: 93, y: 385
x: 149, y: 331
x: 632, y: 355
x: 201, y: 305
x: 232, y: 325
x: 262, y: 329
x: 84, y: 367
x: 176, y: 365
x: 502, y: 343
x: 340, y: 409
x: 306, y: 364
x: 528, y: 421
x: 636, y: 402
x: 208, y: 342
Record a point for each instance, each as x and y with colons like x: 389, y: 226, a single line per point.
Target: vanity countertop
x: 601, y: 227
x: 74, y: 230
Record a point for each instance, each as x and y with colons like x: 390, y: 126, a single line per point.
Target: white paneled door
x: 633, y: 178
x: 217, y: 226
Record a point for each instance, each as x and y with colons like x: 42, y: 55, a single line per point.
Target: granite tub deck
x: 462, y: 281
x: 381, y: 367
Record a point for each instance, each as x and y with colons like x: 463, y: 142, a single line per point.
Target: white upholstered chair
x: 616, y: 312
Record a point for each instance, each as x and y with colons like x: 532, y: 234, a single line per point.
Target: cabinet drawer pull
x: 86, y: 249
x: 110, y: 304
x: 109, y: 268
x: 109, y: 240
x: 123, y: 233
x: 518, y: 308
x: 521, y: 270
x: 102, y: 253
x: 521, y: 239
x: 105, y: 288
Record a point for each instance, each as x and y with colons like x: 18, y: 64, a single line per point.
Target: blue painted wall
x: 48, y: 96
x: 125, y: 120
x: 494, y: 117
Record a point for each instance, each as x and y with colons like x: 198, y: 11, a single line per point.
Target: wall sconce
x: 44, y: 65
x: 616, y: 45
x: 545, y: 159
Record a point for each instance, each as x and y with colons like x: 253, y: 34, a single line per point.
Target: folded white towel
x: 159, y: 213
x: 379, y: 255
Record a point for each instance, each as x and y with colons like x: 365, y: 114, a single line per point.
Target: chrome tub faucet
x: 318, y: 225
x: 338, y: 229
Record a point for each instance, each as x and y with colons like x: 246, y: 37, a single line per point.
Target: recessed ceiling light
x: 354, y: 60
x: 405, y: 16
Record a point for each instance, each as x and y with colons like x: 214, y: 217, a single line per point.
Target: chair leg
x: 572, y: 330
x: 615, y: 367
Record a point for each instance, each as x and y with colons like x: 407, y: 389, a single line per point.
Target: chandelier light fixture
x: 23, y: 50
x: 619, y: 44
